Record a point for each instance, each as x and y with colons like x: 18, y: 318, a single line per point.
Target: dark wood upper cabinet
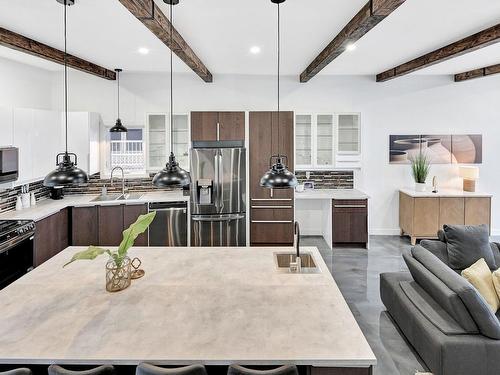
x: 217, y: 126
x: 51, y: 236
x: 130, y: 215
x: 84, y: 224
x: 271, y: 211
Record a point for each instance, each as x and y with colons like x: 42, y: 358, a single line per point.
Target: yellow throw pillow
x: 479, y: 275
x: 496, y: 282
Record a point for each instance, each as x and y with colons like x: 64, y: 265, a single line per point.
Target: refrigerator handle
x: 217, y: 181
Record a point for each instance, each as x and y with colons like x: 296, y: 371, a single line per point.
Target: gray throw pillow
x: 468, y: 243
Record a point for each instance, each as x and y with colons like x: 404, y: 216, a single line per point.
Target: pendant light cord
x: 171, y: 79
x: 65, y: 79
x: 279, y: 55
x: 118, y: 81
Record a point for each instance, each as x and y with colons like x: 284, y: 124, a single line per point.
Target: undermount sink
x: 127, y: 196
x: 106, y: 198
x: 284, y: 260
x: 117, y: 197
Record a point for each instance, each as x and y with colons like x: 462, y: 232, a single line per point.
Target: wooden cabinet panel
x: 84, y: 226
x: 130, y: 215
x: 426, y: 218
x: 477, y: 211
x: 451, y: 211
x: 232, y: 126
x: 51, y: 236
x: 271, y: 234
x: 260, y: 149
x: 110, y: 225
x: 204, y: 126
x: 350, y: 221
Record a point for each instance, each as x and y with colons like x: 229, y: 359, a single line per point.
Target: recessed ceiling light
x: 350, y: 47
x: 255, y: 50
x: 143, y: 50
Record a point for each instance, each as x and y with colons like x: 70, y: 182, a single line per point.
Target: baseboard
x: 384, y: 232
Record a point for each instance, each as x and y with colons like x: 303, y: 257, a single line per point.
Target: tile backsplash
x: 8, y: 196
x: 328, y: 179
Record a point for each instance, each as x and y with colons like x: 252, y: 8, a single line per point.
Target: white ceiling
x: 221, y: 33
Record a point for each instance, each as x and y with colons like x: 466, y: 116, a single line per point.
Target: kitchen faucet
x: 123, y: 178
x: 297, y: 265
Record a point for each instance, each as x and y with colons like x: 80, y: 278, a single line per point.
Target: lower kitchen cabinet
x: 350, y: 222
x: 104, y: 225
x: 84, y: 226
x: 130, y: 215
x: 51, y: 236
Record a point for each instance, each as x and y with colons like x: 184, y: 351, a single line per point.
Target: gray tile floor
x: 356, y: 272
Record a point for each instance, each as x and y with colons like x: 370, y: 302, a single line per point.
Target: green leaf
x: 135, y: 229
x: 91, y: 253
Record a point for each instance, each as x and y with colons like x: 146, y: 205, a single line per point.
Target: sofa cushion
x: 479, y: 275
x: 495, y: 248
x: 468, y: 243
x: 495, y: 276
x: 444, y: 296
x: 478, y: 308
x: 438, y: 248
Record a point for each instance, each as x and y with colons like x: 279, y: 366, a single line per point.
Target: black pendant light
x: 172, y: 174
x: 278, y: 176
x: 66, y: 173
x: 118, y: 128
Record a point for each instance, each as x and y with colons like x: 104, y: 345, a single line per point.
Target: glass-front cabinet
x: 327, y: 141
x: 160, y: 135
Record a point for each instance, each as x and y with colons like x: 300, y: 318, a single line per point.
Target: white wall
x: 24, y: 86
x: 413, y: 104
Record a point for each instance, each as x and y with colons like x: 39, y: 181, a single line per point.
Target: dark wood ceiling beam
x: 366, y: 19
x: 471, y: 43
x: 21, y: 43
x: 153, y: 18
x: 478, y: 73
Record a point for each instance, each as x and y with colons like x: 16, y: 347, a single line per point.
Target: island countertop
x: 206, y: 305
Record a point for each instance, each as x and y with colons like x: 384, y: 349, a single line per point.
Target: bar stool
x: 283, y: 370
x: 17, y: 371
x: 101, y: 370
x: 149, y: 369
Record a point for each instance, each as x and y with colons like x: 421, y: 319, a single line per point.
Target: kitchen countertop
x: 331, y: 194
x: 451, y: 193
x: 47, y: 207
x: 206, y: 305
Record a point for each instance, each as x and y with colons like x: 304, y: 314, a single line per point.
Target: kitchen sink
x: 283, y: 261
x: 126, y: 197
x: 117, y: 197
x: 106, y: 198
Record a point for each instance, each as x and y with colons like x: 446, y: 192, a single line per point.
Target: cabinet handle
x: 271, y: 193
x: 349, y: 206
x: 271, y: 199
x: 218, y: 131
x: 272, y: 206
x: 272, y: 221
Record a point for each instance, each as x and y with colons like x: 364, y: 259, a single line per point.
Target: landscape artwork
x: 440, y: 149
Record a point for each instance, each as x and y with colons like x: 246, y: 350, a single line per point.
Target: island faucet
x: 297, y: 265
x: 123, y: 178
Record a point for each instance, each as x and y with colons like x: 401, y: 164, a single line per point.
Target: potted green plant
x: 420, y: 165
x: 118, y: 267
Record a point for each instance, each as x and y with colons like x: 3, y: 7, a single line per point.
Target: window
x: 127, y: 151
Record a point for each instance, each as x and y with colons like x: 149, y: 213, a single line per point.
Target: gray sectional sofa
x: 441, y: 314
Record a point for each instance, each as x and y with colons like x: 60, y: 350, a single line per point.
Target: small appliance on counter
x: 308, y: 185
x: 9, y: 164
x: 56, y: 192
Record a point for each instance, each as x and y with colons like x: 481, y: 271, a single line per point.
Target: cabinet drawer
x: 271, y: 233
x: 270, y: 214
x: 350, y: 205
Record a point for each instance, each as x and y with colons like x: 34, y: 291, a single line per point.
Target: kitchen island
x: 214, y: 306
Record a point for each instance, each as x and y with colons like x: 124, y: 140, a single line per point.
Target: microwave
x: 9, y: 164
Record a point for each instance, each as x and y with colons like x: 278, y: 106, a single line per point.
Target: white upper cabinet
x: 327, y: 140
x: 6, y: 128
x: 83, y: 139
x: 161, y: 137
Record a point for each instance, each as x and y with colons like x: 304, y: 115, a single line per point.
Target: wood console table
x: 421, y: 215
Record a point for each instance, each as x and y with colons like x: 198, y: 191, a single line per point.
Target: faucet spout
x: 123, y: 178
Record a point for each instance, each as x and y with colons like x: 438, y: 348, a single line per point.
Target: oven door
x: 16, y: 259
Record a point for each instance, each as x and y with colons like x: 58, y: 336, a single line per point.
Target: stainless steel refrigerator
x: 218, y: 194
